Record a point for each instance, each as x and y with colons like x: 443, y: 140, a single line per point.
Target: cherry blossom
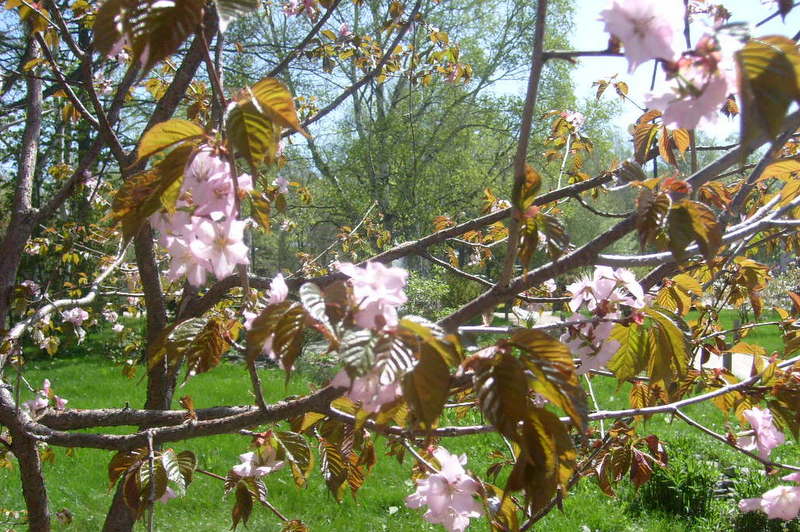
x: 448, y: 494
x: 37, y: 405
x: 767, y: 436
x: 118, y: 328
x: 701, y: 83
x: 110, y: 315
x: 378, y: 291
x: 368, y: 389
x: 75, y: 316
x: 278, y: 290
x: 282, y: 183
x: 31, y: 286
x: 344, y: 31
x: 648, y: 29
x: 605, y: 290
x: 781, y: 502
x: 221, y: 244
x: 589, y: 342
x: 575, y: 119
x: 257, y: 464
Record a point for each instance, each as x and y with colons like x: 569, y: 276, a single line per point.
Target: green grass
x: 79, y: 483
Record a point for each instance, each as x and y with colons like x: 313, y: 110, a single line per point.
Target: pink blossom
x: 278, y: 290
x: 32, y: 287
x: 607, y: 289
x: 291, y: 8
x: 767, y: 435
x: 344, y: 31
x: 589, y: 342
x: 781, y: 502
x: 169, y: 494
x: 750, y: 505
x: 46, y: 387
x: 110, y: 315
x: 37, y: 405
x: 648, y: 29
x: 378, y: 291
x: 448, y: 494
x: 282, y: 183
x: 701, y: 83
x: 60, y: 402
x: 75, y: 316
x: 257, y: 464
x: 575, y: 119
x: 221, y: 244
x: 368, y: 389
x: 689, y: 109
x: 186, y: 262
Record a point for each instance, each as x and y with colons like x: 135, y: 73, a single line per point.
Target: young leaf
x: 253, y: 135
x: 769, y: 83
x: 166, y: 134
x: 426, y: 387
x: 155, y: 29
x: 277, y: 104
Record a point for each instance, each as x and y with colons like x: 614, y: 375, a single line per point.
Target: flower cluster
x: 42, y: 401
x: 702, y: 82
x: 203, y: 235
x: 602, y: 294
x: 702, y: 79
x: 377, y: 292
x: 76, y: 316
x: 448, y: 494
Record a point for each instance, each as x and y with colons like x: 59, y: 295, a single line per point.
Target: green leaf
x: 643, y: 137
x: 634, y: 349
x: 294, y: 448
x: 122, y: 462
x: 671, y: 342
x: 680, y: 231
x: 502, y: 391
x: 334, y: 467
x: 166, y: 134
x: 277, y: 104
x: 313, y: 301
x: 155, y: 29
x: 768, y: 84
x: 187, y: 463
x: 546, y: 460
x: 426, y: 387
x: 230, y: 10
x: 253, y: 135
x: 651, y: 212
x: 501, y: 510
x: 553, y: 372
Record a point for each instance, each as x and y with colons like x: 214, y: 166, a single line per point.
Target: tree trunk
x: 22, y: 214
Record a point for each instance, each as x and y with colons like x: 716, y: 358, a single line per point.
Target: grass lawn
x: 682, y: 492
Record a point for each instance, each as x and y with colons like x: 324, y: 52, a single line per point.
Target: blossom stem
x: 430, y: 467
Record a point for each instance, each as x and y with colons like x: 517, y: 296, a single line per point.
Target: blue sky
x: 589, y: 35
